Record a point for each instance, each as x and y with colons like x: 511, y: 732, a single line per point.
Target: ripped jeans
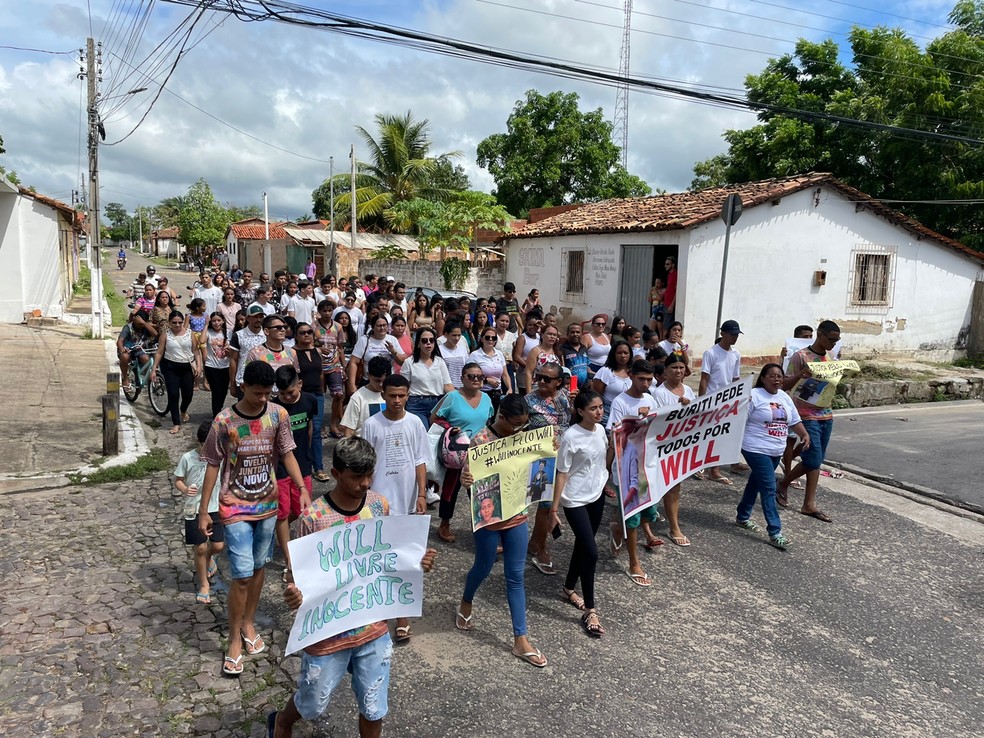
x: 321, y: 675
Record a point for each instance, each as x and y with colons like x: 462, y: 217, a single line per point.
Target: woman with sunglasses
x: 548, y: 404
x: 597, y: 343
x: 493, y: 363
x: 467, y: 409
x: 377, y: 342
x: 512, y: 534
x: 312, y: 375
x: 180, y: 365
x: 428, y: 375
x: 547, y: 352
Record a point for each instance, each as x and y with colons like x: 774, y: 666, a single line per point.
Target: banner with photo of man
x: 656, y: 453
x: 820, y: 388
x: 511, y: 474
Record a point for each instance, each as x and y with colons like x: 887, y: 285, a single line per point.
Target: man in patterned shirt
x: 363, y: 651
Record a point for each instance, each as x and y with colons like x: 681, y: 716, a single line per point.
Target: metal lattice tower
x: 622, y: 94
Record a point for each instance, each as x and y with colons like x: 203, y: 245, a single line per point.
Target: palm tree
x: 398, y: 169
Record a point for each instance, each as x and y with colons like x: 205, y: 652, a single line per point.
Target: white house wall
x: 774, y: 252
x: 30, y: 260
x: 536, y: 263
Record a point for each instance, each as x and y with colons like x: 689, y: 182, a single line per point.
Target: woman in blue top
x: 467, y: 409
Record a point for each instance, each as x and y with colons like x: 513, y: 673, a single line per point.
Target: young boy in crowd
x: 246, y: 441
x: 365, y: 652
x: 801, y: 331
x: 301, y: 407
x: 189, y: 476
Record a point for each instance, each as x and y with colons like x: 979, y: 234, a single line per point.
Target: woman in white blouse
x: 493, y: 363
x: 428, y: 375
x: 377, y: 342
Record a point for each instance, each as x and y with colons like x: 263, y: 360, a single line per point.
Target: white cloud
x: 305, y: 90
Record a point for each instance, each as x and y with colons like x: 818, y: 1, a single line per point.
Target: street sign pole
x: 730, y: 213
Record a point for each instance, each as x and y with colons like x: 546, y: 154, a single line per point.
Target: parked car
x: 430, y: 292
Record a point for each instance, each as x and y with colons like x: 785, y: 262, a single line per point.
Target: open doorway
x: 641, y: 266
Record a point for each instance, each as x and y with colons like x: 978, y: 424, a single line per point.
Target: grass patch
x: 83, y: 285
x: 117, y: 303
x: 879, y: 372
x: 154, y: 461
x: 970, y: 362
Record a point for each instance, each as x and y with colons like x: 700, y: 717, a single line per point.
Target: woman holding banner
x: 771, y: 415
x: 580, y: 481
x: 512, y: 534
x: 674, y: 392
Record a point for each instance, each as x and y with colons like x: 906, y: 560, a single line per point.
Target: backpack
x: 453, y: 448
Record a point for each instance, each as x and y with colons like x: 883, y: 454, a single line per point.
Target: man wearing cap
x: 241, y: 343
x: 720, y: 366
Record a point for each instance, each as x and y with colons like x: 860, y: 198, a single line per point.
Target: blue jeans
x: 369, y: 665
x: 819, y: 431
x: 514, y: 567
x: 422, y: 406
x: 249, y: 545
x: 761, y: 482
x: 317, y: 443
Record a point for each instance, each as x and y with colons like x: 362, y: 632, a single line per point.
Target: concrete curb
x: 914, y: 492
x: 132, y: 437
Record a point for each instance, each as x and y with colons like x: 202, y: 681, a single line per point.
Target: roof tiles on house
x: 257, y: 231
x: 688, y: 209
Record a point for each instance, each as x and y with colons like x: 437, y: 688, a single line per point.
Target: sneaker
x: 748, y: 525
x: 780, y: 541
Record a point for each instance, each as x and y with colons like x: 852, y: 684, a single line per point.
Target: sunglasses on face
x: 545, y: 378
x: 305, y: 333
x: 427, y: 340
x: 475, y: 377
x: 491, y: 338
x: 277, y: 328
x: 601, y: 325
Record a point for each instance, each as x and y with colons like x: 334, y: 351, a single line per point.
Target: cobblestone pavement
x: 868, y: 627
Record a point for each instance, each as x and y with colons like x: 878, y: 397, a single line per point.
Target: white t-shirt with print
x: 614, y: 384
x: 664, y: 397
x: 582, y: 457
x: 363, y: 404
x: 456, y: 359
x: 625, y: 405
x: 367, y: 347
x: 769, y: 418
x: 401, y: 446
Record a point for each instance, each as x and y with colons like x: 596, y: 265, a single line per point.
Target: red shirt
x: 669, y: 296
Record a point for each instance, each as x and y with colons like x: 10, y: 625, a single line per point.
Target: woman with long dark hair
x: 217, y: 360
x: 578, y: 486
x: 428, y: 375
x: 179, y: 364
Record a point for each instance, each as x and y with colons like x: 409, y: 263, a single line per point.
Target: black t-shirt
x: 502, y: 305
x: 311, y: 370
x: 301, y: 413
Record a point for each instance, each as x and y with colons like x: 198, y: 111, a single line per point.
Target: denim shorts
x: 819, y: 431
x: 336, y: 385
x: 650, y: 515
x: 249, y: 544
x: 321, y: 675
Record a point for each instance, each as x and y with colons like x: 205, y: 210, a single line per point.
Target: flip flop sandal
x: 615, y: 549
x: 593, y: 629
x: 203, y: 598
x: 721, y: 480
x: 642, y: 580
x: 251, y: 645
x: 653, y: 543
x: 529, y: 656
x: 682, y: 541
x: 571, y: 596
x: 212, y: 570
x: 797, y: 484
x: 231, y: 666
x: 782, y: 499
x: 546, y: 569
x: 467, y: 621
x: 403, y: 634
x: 818, y: 514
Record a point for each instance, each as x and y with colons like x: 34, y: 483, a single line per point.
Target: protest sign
x: 819, y: 389
x: 511, y: 474
x: 655, y: 453
x: 797, y: 344
x: 356, y: 574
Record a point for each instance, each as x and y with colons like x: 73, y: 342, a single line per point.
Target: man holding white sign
x: 356, y: 577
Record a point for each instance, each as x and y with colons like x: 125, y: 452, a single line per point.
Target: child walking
x: 364, y: 652
x: 197, y: 321
x: 189, y: 477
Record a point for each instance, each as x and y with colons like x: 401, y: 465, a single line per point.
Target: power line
x: 38, y: 51
x: 890, y: 15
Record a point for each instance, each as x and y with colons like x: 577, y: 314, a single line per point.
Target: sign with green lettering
x: 356, y: 574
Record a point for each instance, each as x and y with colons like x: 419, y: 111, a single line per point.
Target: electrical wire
x: 891, y: 15
x: 38, y: 51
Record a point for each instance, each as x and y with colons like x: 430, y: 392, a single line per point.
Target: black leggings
x: 218, y: 382
x: 584, y: 522
x: 178, y: 378
x: 449, y: 494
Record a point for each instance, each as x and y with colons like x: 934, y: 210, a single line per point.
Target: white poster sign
x: 356, y: 574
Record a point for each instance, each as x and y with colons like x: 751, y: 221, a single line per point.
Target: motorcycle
x: 121, y: 262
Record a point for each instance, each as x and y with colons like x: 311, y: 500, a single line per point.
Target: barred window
x: 572, y: 271
x: 872, y: 279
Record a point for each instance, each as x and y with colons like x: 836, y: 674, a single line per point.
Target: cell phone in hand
x: 556, y: 532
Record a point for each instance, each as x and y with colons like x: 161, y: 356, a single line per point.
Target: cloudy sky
x: 296, y: 94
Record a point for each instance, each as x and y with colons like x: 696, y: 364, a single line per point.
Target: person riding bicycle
x: 134, y: 342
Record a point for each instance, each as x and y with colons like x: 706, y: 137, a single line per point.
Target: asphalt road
x: 935, y: 445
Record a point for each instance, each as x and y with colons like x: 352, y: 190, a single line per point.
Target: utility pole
x: 352, y: 157
x: 140, y: 226
x: 332, y: 260
x: 94, y: 246
x: 267, y: 255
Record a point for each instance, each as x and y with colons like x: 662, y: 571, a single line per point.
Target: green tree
x: 554, y: 154
x: 399, y: 168
x: 166, y: 212
x: 202, y: 221
x: 448, y: 225
x: 449, y: 176
x: 242, y: 212
x: 892, y: 81
x: 120, y: 223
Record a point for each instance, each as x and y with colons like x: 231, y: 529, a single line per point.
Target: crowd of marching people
x: 375, y: 368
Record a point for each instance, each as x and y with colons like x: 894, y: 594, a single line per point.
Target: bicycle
x: 140, y: 376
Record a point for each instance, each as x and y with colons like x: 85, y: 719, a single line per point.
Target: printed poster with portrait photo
x: 504, y: 471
